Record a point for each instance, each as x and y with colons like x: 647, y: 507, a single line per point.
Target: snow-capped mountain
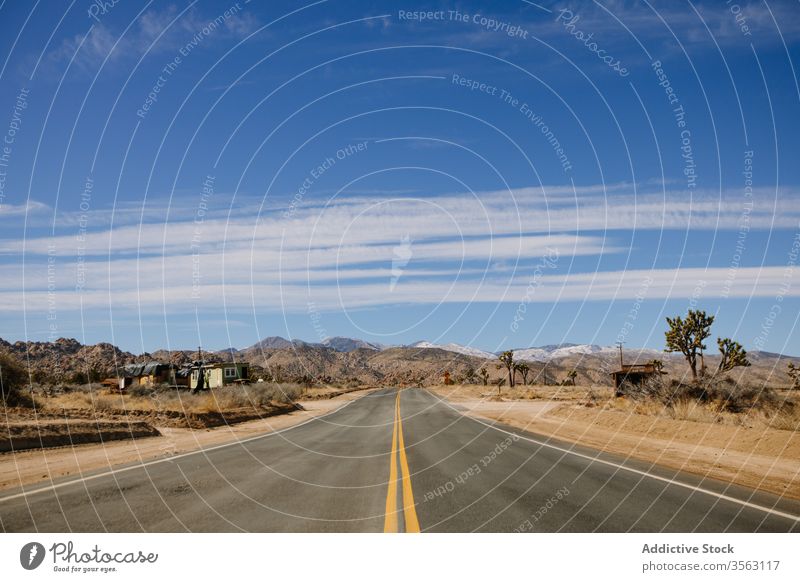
x: 544, y: 353
x: 458, y: 348
x: 534, y: 354
x: 556, y: 351
x: 348, y: 344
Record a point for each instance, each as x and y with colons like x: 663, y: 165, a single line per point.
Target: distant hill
x: 348, y: 344
x: 458, y: 348
x: 275, y: 342
x: 360, y: 362
x: 68, y: 360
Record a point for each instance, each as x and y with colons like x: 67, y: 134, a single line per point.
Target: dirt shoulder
x: 41, y: 465
x: 18, y: 436
x: 758, y: 457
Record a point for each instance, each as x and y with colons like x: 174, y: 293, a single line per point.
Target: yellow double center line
x: 399, y: 449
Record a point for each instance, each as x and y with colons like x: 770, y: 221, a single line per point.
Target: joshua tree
x: 794, y: 374
x: 469, y: 375
x: 570, y: 379
x: 732, y: 355
x: 484, y: 375
x: 657, y: 364
x: 524, y: 369
x: 686, y: 336
x: 507, y: 358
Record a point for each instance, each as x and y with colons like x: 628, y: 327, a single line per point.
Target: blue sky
x: 500, y: 174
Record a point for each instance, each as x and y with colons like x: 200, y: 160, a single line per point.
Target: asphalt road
x: 395, y: 463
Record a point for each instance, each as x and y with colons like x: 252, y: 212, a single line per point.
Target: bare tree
x: 686, y: 336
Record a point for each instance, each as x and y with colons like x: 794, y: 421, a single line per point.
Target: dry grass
x: 782, y: 416
x: 780, y: 419
x: 234, y: 397
x: 518, y: 392
x: 718, y: 400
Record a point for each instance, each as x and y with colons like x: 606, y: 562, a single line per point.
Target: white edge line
x: 172, y: 458
x: 788, y: 516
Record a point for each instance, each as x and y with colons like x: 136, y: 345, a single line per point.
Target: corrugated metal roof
x: 151, y: 368
x: 145, y: 369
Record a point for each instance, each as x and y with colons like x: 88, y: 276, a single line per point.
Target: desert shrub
x: 783, y: 418
x: 70, y: 400
x: 591, y: 399
x: 674, y: 392
x: 83, y: 388
x: 305, y: 379
x: 720, y: 395
x: 263, y: 395
x: 14, y: 388
x: 141, y: 391
x: 730, y: 396
x: 42, y: 378
x: 252, y: 396
x: 655, y: 387
x: 103, y: 403
x: 692, y: 410
x: 165, y: 398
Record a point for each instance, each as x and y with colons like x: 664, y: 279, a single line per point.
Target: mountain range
x: 350, y: 360
x: 533, y: 354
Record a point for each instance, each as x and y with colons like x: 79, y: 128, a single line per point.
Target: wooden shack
x: 146, y: 374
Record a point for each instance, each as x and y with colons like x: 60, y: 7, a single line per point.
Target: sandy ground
x: 760, y: 458
x: 34, y: 466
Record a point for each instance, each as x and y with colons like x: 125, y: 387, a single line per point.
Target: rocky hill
x: 68, y: 360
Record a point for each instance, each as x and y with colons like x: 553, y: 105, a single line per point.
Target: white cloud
x: 650, y: 21
x: 16, y: 210
x: 355, y: 225
x: 462, y: 248
x: 155, y: 31
x: 152, y: 296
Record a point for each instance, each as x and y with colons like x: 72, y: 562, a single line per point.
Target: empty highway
x: 395, y: 461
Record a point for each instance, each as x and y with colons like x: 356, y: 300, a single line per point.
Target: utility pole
x: 621, y: 364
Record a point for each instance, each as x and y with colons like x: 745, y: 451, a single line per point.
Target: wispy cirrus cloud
x: 365, y: 221
x: 155, y: 31
x: 462, y: 247
x: 294, y: 296
x: 31, y: 208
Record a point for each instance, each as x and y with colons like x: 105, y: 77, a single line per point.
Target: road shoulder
x: 36, y: 466
x: 727, y: 455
